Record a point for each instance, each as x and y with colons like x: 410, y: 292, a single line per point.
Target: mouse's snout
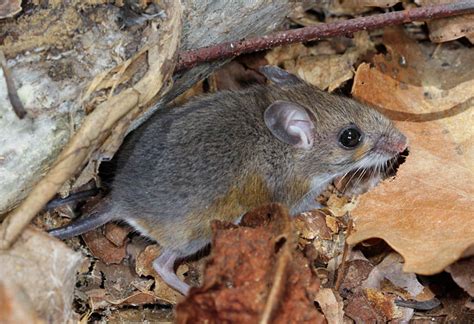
x: 392, y: 144
x: 400, y: 142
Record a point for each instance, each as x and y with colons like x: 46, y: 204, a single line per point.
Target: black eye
x: 350, y: 137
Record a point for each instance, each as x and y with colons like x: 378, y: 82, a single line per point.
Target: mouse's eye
x: 350, y: 137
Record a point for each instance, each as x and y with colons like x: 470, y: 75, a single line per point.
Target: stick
x: 98, y: 125
x: 189, y: 59
x: 11, y: 89
x: 343, y: 267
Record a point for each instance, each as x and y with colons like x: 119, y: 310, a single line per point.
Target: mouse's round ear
x: 290, y: 123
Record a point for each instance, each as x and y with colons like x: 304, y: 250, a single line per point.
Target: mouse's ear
x: 290, y: 123
x: 279, y: 76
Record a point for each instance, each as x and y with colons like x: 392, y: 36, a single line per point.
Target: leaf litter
x: 427, y: 210
x: 274, y: 269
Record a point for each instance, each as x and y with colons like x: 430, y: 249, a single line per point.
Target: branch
x: 15, y: 101
x: 189, y: 59
x: 98, y: 125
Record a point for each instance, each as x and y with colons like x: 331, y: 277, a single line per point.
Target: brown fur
x: 215, y: 158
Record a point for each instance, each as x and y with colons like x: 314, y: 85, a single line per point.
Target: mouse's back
x: 195, y: 163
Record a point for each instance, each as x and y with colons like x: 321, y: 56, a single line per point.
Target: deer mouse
x: 219, y: 156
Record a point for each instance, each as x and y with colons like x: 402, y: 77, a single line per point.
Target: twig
x: 99, y: 124
x: 15, y: 101
x: 343, y: 267
x: 189, y: 59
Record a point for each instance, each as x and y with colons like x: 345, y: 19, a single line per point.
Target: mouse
x: 221, y: 155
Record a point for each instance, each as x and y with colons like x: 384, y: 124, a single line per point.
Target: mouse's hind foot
x: 164, y: 266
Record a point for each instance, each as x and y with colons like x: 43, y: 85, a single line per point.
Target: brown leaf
x: 312, y: 225
x: 116, y: 234
x: 319, y: 229
x: 361, y: 311
x: 45, y: 269
x: 463, y: 274
x: 121, y: 286
x: 114, y: 113
x: 357, y: 271
x: 104, y: 249
x: 389, y: 277
x: 320, y: 65
x: 383, y: 303
x: 447, y: 29
x: 331, y: 305
x: 374, y: 306
x: 144, y: 267
x: 255, y: 274
x: 425, y: 214
x: 139, y: 315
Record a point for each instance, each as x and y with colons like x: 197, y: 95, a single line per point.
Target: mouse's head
x: 334, y: 135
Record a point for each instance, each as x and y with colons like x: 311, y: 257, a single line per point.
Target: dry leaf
x: 425, y: 214
x: 139, y: 315
x: 360, y: 309
x: 406, y: 284
x: 254, y: 261
x: 383, y: 303
x: 330, y: 305
x: 45, y: 269
x: 103, y: 249
x: 116, y: 234
x: 312, y: 225
x: 95, y: 128
x: 463, y: 274
x: 357, y: 271
x: 144, y: 267
x: 447, y: 29
x: 320, y: 230
x: 320, y: 65
x: 118, y: 285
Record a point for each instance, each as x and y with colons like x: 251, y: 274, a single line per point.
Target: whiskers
x: 372, y: 168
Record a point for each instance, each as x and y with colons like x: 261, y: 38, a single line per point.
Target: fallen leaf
x: 320, y: 65
x: 383, y: 303
x: 312, y: 225
x: 139, y: 315
x: 255, y: 274
x: 447, y: 29
x: 463, y: 274
x: 360, y: 309
x: 331, y: 305
x: 403, y: 284
x: 116, y: 234
x: 144, y: 267
x: 118, y: 285
x: 319, y: 229
x: 425, y: 213
x: 45, y: 269
x: 357, y: 271
x: 104, y: 249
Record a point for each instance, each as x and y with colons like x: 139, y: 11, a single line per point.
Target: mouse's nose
x: 392, y: 143
x: 400, y: 143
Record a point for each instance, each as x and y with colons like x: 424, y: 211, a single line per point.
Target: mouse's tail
x: 98, y: 217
